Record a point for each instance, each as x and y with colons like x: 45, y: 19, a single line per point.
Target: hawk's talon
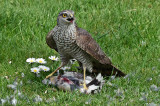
x: 85, y: 87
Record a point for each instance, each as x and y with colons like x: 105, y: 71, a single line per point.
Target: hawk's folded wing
x: 50, y: 41
x: 89, y: 45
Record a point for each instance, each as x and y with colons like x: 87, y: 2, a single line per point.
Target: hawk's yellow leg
x: 84, y: 83
x: 55, y: 71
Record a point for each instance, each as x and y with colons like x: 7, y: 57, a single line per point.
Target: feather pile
x: 71, y: 81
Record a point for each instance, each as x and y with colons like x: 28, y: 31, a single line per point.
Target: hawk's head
x: 65, y: 17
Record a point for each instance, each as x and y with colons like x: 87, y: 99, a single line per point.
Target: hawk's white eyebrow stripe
x: 69, y: 12
x: 65, y: 12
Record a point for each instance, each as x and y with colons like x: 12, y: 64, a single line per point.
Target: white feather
x: 91, y: 88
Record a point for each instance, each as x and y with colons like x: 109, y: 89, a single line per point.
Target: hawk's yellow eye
x: 64, y: 15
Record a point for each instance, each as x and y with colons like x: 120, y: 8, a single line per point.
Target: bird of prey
x: 72, y: 42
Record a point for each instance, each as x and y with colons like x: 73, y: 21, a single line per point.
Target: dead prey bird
x: 71, y: 81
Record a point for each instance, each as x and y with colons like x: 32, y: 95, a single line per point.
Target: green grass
x: 119, y: 26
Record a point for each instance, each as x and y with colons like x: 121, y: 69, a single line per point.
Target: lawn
x: 128, y: 31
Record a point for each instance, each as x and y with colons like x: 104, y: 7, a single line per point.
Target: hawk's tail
x: 109, y: 70
x: 117, y: 72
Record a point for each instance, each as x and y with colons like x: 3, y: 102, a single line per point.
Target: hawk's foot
x: 84, y: 86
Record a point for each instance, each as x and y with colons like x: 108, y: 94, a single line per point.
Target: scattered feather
x: 14, y: 101
x: 154, y: 88
x: 45, y: 91
x: 110, y: 99
x: 6, y: 77
x: 112, y: 85
x: 49, y: 100
x: 20, y: 94
x: 37, y: 99
x: 143, y: 43
x: 10, y: 62
x: 128, y: 76
x: 21, y: 83
x: 153, y: 68
x: 45, y: 81
x: 22, y: 75
x: 8, y: 98
x: 88, y: 101
x: 3, y: 101
x: 149, y: 79
x: 113, y: 77
x: 29, y: 81
x: 12, y: 86
x: 15, y: 82
x: 151, y: 104
x: 119, y: 93
x: 144, y: 97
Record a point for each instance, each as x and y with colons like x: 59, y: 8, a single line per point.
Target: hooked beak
x: 71, y: 18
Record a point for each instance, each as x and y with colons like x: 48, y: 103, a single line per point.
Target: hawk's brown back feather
x: 88, y: 44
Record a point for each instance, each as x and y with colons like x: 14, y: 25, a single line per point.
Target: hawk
x: 72, y: 42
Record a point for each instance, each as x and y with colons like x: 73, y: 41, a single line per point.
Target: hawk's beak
x: 71, y: 18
